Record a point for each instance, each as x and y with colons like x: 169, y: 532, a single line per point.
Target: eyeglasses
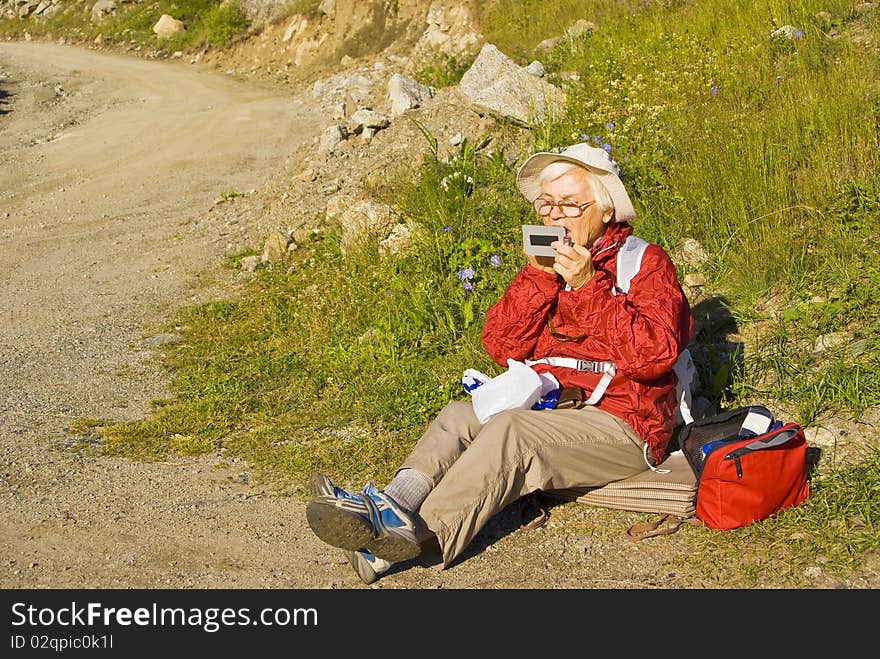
x: 569, y: 209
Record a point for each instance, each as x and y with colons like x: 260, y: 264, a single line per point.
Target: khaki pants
x: 477, y: 470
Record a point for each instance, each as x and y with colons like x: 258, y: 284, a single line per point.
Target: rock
x: 449, y: 31
x: 102, y: 9
x: 405, y: 93
x: 831, y: 340
x: 296, y: 27
x: 691, y: 253
x: 496, y: 84
x: 249, y: 263
x: 580, y: 27
x: 167, y: 26
x: 331, y: 137
x: 858, y: 348
x: 819, y: 436
x: 301, y: 235
x: 327, y: 7
x: 397, y: 241
x: 788, y: 32
x: 365, y: 220
x: 548, y: 44
x: 336, y: 205
x: 694, y: 279
x: 274, y: 248
x: 536, y: 69
x: 369, y: 119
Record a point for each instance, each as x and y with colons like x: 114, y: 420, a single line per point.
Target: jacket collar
x: 611, y: 240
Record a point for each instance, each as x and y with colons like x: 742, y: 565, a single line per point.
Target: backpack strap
x: 638, y: 532
x: 629, y: 261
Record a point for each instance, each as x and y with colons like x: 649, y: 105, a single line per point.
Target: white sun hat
x: 594, y: 159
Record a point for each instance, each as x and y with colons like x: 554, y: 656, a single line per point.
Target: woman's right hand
x: 544, y: 263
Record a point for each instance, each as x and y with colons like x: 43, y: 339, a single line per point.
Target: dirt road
x: 108, y: 167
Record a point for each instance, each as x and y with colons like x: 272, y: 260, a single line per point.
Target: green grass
x: 446, y: 71
x: 765, y: 150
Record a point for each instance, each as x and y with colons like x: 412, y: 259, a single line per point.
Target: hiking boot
x: 368, y: 567
x: 398, y: 533
x: 321, y: 486
x: 370, y: 520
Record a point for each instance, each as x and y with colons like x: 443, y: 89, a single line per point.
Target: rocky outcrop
x: 498, y: 85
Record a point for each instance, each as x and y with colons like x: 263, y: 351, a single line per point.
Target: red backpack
x: 748, y: 466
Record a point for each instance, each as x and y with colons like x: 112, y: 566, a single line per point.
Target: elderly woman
x: 565, y: 316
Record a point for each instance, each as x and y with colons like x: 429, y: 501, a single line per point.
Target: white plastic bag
x: 519, y: 387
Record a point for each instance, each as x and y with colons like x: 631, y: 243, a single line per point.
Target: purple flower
x: 798, y: 34
x: 467, y: 273
x: 447, y: 229
x: 609, y: 125
x: 584, y: 137
x: 597, y: 139
x: 495, y: 261
x: 607, y: 147
x: 713, y: 90
x: 467, y: 286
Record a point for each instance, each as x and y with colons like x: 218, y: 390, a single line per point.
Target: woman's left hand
x: 573, y: 263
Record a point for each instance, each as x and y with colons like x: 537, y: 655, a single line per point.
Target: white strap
x: 648, y: 462
x: 599, y: 391
x: 685, y: 373
x: 607, y: 369
x: 577, y: 364
x: 629, y: 261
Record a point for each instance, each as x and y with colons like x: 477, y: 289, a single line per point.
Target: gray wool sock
x: 409, y: 488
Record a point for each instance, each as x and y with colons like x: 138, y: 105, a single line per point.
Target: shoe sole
x: 339, y: 527
x: 393, y: 548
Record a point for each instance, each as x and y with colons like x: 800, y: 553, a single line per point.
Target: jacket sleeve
x: 642, y: 331
x: 514, y: 323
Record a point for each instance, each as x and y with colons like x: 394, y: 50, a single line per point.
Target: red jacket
x: 641, y: 332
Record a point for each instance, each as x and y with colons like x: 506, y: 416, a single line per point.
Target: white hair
x: 560, y: 168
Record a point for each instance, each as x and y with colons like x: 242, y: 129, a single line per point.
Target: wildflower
x: 798, y: 34
x: 609, y: 125
x: 713, y: 90
x: 467, y: 273
x: 467, y: 286
x: 597, y: 139
x: 585, y: 137
x: 495, y: 261
x: 447, y: 229
x: 606, y: 147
